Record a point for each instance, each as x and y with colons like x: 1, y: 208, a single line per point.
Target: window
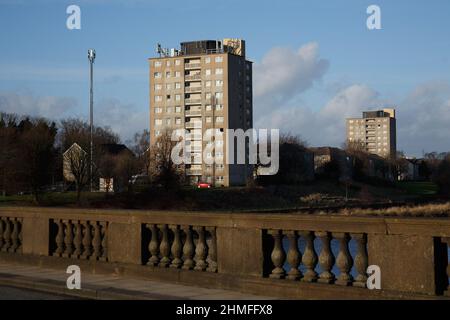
x: 219, y: 119
x: 177, y: 74
x: 219, y: 178
x: 219, y: 166
x: 177, y: 120
x: 168, y: 121
x: 177, y: 109
x: 158, y: 110
x: 208, y: 72
x: 168, y: 63
x: 168, y: 97
x: 219, y: 83
x: 177, y: 62
x: 169, y: 109
x: 157, y: 75
x: 219, y: 71
x: 208, y: 95
x: 168, y: 86
x: 219, y: 107
x: 218, y: 95
x: 219, y: 59
x: 158, y: 98
x: 208, y: 83
x: 207, y: 60
x: 178, y: 85
x: 208, y: 107
x: 158, y: 87
x: 208, y: 119
x: 157, y: 133
x: 167, y: 74
x: 158, y: 122
x: 157, y: 64
x: 177, y: 97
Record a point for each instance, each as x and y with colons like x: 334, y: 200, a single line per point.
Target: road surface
x: 9, y: 293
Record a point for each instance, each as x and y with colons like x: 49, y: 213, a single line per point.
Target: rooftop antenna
x: 161, y: 51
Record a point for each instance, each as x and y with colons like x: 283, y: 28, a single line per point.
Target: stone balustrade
x: 79, y: 239
x: 318, y: 254
x: 10, y: 234
x: 181, y: 246
x: 291, y: 255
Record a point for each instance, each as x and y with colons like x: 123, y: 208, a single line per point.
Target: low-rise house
x: 325, y: 157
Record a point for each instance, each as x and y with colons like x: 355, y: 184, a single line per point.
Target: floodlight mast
x: 91, y: 57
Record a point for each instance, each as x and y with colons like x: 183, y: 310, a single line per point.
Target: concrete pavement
x: 102, y: 286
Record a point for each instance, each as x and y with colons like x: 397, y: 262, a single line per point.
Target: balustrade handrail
x: 331, y: 222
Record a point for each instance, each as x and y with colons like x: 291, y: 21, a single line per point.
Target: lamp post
x: 91, y: 57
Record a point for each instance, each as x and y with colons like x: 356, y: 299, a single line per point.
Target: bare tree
x: 126, y: 166
x: 141, y: 148
x: 77, y: 131
x: 37, y: 152
x: 9, y: 153
x: 163, y: 170
x: 76, y: 168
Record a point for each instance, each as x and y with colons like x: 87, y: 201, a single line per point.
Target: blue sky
x: 343, y: 68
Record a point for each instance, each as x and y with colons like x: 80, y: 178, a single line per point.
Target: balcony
x: 193, y: 124
x: 192, y: 65
x: 193, y: 89
x: 193, y: 113
x: 193, y: 172
x: 190, y: 77
x: 194, y: 148
x: 193, y: 101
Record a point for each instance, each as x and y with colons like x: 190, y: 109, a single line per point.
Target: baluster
x: 6, y: 236
x: 176, y: 247
x: 68, y: 238
x: 87, y: 240
x: 447, y: 292
x: 293, y: 256
x: 200, y: 250
x: 212, y: 251
x: 164, y: 247
x: 59, y: 240
x: 1, y: 232
x: 78, y: 240
x: 153, y: 246
x: 104, y: 243
x: 277, y: 256
x: 344, y: 260
x: 361, y: 260
x: 96, y: 241
x: 188, y: 249
x: 309, y: 258
x: 14, y: 236
x: 326, y: 258
x: 19, y: 248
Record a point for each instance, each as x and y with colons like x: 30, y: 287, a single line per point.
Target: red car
x: 203, y: 185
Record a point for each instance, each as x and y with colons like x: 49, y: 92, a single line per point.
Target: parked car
x: 203, y: 185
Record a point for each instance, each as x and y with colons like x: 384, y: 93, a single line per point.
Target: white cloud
x: 326, y: 126
x: 284, y: 73
x: 123, y: 118
x: 26, y: 103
